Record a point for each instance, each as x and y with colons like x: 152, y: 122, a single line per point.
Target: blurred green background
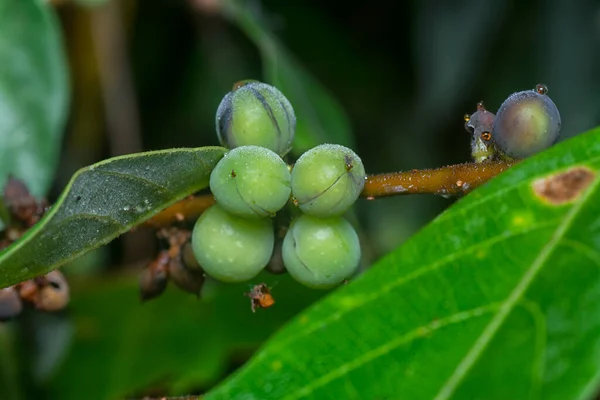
x: 391, y: 79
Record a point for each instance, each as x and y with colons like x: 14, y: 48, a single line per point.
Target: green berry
x: 251, y: 182
x: 321, y: 252
x: 327, y: 180
x: 255, y: 113
x: 526, y: 123
x: 230, y: 248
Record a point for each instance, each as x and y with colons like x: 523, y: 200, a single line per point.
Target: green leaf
x: 175, y: 342
x: 320, y: 118
x: 498, y: 298
x: 103, y: 201
x: 33, y: 93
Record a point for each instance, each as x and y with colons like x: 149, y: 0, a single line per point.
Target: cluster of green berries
x: 234, y: 240
x: 526, y: 123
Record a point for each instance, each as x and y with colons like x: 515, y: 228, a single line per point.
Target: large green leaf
x: 175, y: 343
x: 320, y: 118
x: 103, y: 201
x: 498, y: 298
x: 33, y: 93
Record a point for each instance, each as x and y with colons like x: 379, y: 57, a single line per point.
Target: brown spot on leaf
x: 564, y: 187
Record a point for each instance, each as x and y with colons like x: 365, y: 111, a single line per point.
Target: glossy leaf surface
x: 103, y: 201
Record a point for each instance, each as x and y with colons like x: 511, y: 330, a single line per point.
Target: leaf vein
x: 416, y: 333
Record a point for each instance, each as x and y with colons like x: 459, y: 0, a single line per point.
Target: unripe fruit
x: 255, y: 113
x: 327, y: 180
x: 230, y: 248
x: 321, y: 252
x: 251, y: 182
x: 526, y: 123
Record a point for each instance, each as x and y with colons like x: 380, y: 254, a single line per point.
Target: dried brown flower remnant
x: 564, y: 187
x: 22, y: 205
x: 53, y: 292
x: 48, y: 292
x: 153, y: 279
x: 260, y: 297
x: 175, y: 263
x: 185, y: 278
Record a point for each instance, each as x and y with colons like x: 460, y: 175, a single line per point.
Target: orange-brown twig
x: 187, y: 209
x: 452, y: 180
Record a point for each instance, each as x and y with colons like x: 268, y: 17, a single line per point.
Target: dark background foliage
x: 149, y: 75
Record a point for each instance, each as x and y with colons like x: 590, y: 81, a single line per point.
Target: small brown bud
x: 53, y: 293
x: 153, y: 279
x: 188, y: 258
x: 186, y: 279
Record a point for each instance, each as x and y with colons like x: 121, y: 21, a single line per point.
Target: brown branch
x: 187, y: 209
x: 452, y: 180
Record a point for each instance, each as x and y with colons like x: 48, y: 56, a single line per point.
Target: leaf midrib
x: 449, y: 387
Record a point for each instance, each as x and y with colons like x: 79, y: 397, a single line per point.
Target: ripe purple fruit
x: 526, y: 123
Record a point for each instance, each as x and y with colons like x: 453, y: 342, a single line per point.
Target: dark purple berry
x: 526, y: 123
